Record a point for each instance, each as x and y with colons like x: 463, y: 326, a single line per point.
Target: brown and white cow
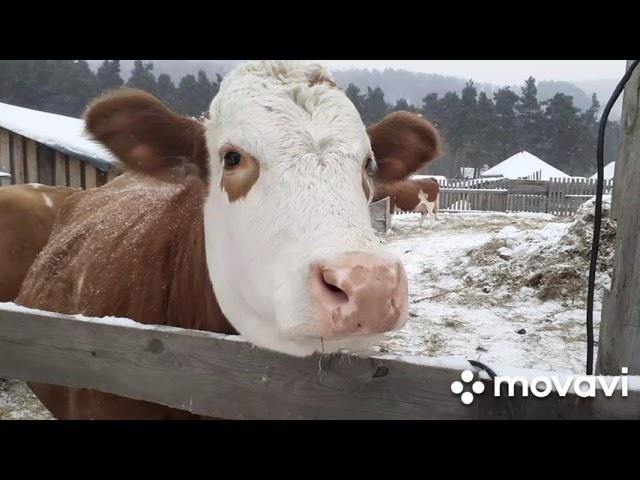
x: 418, y: 195
x: 254, y: 221
x: 404, y: 154
x: 27, y: 213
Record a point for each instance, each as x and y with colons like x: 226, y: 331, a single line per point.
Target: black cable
x: 598, y: 213
x: 492, y: 375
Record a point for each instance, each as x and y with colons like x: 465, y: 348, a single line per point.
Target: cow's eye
x: 232, y: 159
x: 368, y: 163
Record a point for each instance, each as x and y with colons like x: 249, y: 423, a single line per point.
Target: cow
x: 27, y: 214
x: 253, y: 221
x: 418, y: 195
x: 407, y: 194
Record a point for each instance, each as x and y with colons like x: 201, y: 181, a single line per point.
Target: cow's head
x: 288, y: 164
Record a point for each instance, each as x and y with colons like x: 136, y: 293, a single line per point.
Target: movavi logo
x: 584, y: 386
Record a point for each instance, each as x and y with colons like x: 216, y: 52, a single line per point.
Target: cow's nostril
x: 336, y: 292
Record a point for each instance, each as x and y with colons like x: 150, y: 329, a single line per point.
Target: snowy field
x: 505, y: 289
x: 476, y: 292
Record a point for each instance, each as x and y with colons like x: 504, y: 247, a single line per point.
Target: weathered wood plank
x: 46, y: 165
x: 379, y: 212
x: 17, y: 154
x: 60, y: 170
x: 31, y: 160
x: 619, y: 342
x: 226, y: 377
x: 75, y: 175
x: 90, y: 177
x: 5, y: 151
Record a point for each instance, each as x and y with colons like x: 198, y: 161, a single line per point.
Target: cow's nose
x: 358, y: 294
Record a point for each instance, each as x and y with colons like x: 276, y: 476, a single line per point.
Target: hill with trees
x: 481, y: 125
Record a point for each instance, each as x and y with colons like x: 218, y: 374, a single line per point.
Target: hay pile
x: 551, y: 263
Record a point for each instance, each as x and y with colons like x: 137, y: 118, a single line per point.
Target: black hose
x: 492, y: 375
x: 598, y: 213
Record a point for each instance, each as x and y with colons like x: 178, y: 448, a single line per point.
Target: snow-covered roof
x: 609, y: 170
x: 523, y: 164
x: 64, y: 134
x: 442, y: 180
x: 4, y: 174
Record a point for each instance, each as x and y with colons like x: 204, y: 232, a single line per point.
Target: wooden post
x: 46, y: 161
x: 17, y: 154
x: 60, y: 170
x: 380, y: 215
x: 5, y: 151
x: 31, y: 161
x: 619, y: 343
x: 90, y: 180
x: 75, y: 175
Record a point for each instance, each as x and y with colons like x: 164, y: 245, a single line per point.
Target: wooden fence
x: 28, y: 161
x: 558, y: 196
x: 226, y: 377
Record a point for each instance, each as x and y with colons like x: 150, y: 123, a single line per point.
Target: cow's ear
x: 402, y: 142
x: 144, y: 134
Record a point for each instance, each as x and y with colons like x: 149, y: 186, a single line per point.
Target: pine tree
x: 142, y: 77
x: 353, y: 93
x: 166, y: 91
x: 507, y: 143
x: 187, y: 101
x: 375, y: 107
x: 487, y: 137
x: 564, y: 149
x: 530, y: 118
x: 431, y: 109
x: 403, y: 106
x: 108, y: 76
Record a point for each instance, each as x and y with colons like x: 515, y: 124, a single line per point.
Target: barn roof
x: 523, y: 164
x: 64, y: 134
x: 609, y: 171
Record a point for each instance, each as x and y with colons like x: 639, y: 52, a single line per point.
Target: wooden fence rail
x: 560, y: 197
x: 226, y: 377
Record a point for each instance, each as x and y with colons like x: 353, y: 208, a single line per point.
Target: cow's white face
x: 291, y: 253
x: 286, y: 194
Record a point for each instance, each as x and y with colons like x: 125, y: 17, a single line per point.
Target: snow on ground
x: 506, y: 289
x: 17, y: 402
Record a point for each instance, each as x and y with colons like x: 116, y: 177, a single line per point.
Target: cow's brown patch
x: 237, y: 181
x: 320, y: 79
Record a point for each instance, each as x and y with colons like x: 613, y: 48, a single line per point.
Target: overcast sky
x: 498, y: 71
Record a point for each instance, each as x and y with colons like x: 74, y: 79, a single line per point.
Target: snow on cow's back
x: 123, y: 250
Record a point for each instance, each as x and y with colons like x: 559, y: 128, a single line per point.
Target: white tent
x: 65, y: 134
x: 523, y: 164
x: 609, y: 170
